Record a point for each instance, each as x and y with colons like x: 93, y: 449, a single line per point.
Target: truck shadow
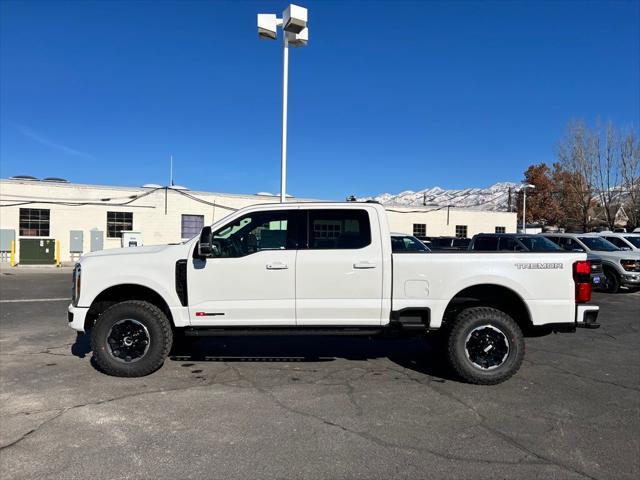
x: 417, y: 354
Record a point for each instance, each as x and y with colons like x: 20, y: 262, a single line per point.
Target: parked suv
x: 516, y: 242
x: 621, y: 268
x: 624, y: 241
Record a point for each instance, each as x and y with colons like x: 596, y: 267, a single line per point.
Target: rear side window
x: 489, y: 244
x: 337, y: 229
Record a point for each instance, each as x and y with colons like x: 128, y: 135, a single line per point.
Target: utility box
x: 97, y: 240
x: 76, y: 238
x: 131, y: 238
x: 37, y: 251
x: 6, y: 237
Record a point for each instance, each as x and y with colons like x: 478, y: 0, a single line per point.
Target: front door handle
x: 364, y: 265
x: 277, y: 266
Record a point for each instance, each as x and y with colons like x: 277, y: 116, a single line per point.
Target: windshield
x: 635, y: 241
x: 539, y: 244
x: 599, y: 244
x: 407, y: 244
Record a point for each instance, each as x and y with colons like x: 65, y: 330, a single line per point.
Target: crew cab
x: 323, y: 268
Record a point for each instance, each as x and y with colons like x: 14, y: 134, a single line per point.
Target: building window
x: 34, y: 222
x: 117, y: 222
x: 501, y: 230
x: 191, y: 225
x: 419, y: 230
x: 461, y: 231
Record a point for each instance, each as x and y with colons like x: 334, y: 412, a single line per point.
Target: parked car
x: 403, y: 243
x: 520, y: 242
x: 322, y: 269
x: 624, y: 241
x: 448, y: 243
x: 621, y: 268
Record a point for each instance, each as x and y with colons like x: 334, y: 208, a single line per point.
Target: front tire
x: 131, y: 339
x: 612, y: 282
x: 485, y: 346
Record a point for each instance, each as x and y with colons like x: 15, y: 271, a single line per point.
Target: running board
x: 260, y: 331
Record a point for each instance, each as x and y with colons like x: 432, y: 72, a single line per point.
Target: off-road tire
x: 462, y: 326
x: 157, y: 325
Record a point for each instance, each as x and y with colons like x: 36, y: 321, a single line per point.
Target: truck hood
x: 619, y: 255
x: 119, y: 252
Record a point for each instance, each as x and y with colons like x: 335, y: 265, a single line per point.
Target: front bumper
x: 76, y: 317
x: 587, y: 316
x: 631, y: 279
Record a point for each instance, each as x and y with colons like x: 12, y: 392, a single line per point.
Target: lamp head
x: 294, y: 19
x: 267, y: 26
x: 298, y: 39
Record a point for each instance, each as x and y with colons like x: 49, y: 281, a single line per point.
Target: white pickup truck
x: 323, y: 268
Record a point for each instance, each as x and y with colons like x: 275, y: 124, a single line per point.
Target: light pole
x: 524, y: 205
x: 296, y: 34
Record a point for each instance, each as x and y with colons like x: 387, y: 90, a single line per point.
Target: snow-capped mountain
x: 494, y: 198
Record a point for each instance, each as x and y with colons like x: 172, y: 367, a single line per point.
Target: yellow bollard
x: 57, y: 253
x: 13, y: 253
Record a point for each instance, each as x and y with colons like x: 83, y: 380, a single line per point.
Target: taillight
x: 582, y: 280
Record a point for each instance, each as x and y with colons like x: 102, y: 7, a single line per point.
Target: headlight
x: 75, y: 292
x: 630, y: 265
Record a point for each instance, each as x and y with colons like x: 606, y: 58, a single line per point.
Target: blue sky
x: 388, y: 96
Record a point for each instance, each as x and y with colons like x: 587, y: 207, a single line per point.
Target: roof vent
x: 22, y: 177
x: 151, y: 185
x: 265, y: 194
x: 55, y: 179
x: 178, y: 187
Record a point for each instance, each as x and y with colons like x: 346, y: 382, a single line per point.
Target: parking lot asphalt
x: 311, y: 407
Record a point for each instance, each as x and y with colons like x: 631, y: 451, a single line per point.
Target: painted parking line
x: 67, y: 299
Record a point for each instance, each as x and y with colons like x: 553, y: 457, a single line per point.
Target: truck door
x: 251, y: 279
x: 339, y: 269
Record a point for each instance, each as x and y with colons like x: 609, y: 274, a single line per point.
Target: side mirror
x: 205, y: 248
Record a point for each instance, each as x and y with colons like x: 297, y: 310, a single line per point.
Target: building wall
x: 158, y: 214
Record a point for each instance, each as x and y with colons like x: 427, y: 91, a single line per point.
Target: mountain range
x: 493, y: 198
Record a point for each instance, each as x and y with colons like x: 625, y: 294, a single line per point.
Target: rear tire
x: 612, y: 282
x: 485, y: 346
x: 131, y: 339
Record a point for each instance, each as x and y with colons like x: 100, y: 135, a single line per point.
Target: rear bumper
x: 587, y: 316
x: 76, y: 317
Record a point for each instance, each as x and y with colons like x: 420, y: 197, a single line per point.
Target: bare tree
x: 630, y: 175
x: 607, y: 168
x: 578, y: 155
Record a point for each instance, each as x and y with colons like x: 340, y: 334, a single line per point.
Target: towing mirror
x: 204, y: 245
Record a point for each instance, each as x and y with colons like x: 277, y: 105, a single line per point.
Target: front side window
x: 487, y: 244
x: 461, y: 231
x: 501, y: 229
x: 191, y: 225
x: 634, y: 240
x: 419, y: 229
x: 570, y: 245
x: 338, y: 229
x: 407, y: 245
x: 599, y: 244
x: 539, y: 244
x: 34, y: 222
x: 117, y: 222
x: 255, y: 232
x: 618, y: 242
x: 509, y: 244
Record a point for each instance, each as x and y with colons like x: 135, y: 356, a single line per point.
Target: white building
x: 42, y: 216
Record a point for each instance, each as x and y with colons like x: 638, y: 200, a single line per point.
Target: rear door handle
x: 364, y: 265
x: 277, y: 266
